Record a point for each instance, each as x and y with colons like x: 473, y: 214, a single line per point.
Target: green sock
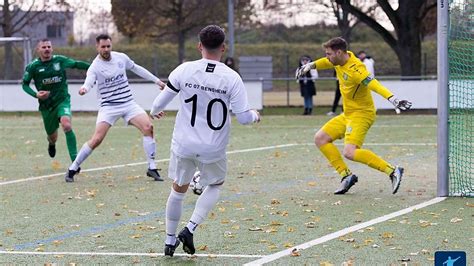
x: 71, y: 144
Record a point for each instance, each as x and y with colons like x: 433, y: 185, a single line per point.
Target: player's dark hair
x: 44, y: 40
x: 337, y: 43
x: 212, y: 37
x: 102, y: 37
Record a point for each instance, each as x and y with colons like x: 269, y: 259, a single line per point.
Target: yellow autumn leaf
x: 276, y: 223
x: 221, y: 209
x: 288, y: 245
x: 272, y: 247
x: 325, y: 263
x: 39, y: 249
x: 235, y: 227
x: 312, y: 184
x: 202, y: 248
x: 225, y: 221
x: 56, y: 165
x: 136, y: 236
x: 291, y: 229
x: 387, y: 235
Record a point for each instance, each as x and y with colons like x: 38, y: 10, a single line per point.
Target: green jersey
x: 50, y: 76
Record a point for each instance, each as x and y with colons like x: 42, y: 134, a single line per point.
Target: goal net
x: 15, y: 54
x: 461, y: 98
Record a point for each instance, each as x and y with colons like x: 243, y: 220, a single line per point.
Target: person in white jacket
x: 368, y: 62
x: 108, y: 71
x: 207, y: 90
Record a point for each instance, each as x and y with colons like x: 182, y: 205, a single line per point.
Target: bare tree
x: 172, y: 19
x: 407, y: 20
x: 18, y: 14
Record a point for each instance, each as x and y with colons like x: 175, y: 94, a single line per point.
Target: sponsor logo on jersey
x: 210, y: 67
x: 57, y: 66
x: 52, y: 80
x: 41, y: 70
x: 112, y: 79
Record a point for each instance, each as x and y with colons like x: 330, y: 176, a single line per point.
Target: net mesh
x: 461, y: 97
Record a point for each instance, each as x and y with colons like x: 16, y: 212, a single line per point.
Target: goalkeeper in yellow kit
x: 359, y: 114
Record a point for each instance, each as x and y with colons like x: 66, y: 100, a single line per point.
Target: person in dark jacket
x: 307, y: 87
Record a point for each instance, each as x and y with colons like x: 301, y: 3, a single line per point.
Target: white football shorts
x: 127, y: 111
x: 181, y: 170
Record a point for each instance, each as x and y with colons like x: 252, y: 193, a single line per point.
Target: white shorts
x: 181, y: 170
x: 127, y: 111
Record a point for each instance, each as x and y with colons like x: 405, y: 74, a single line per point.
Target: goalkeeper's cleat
x: 52, y: 150
x: 154, y: 174
x: 187, y: 238
x: 396, y: 178
x: 69, y: 177
x: 346, y: 183
x: 169, y: 249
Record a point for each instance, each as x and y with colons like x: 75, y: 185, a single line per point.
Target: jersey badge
x: 56, y: 66
x: 120, y: 65
x: 210, y: 67
x: 345, y: 76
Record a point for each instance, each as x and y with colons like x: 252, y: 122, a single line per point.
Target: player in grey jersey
x: 207, y: 90
x: 108, y: 71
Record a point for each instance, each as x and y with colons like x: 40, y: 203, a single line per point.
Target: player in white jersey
x: 207, y: 90
x: 108, y: 71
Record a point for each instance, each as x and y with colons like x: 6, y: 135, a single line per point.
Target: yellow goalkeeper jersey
x: 353, y: 82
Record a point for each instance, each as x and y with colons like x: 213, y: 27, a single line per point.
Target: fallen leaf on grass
x: 288, y: 245
x: 312, y: 184
x: 387, y: 235
x: 295, y: 253
x: 455, y: 220
x: 254, y: 229
x: 275, y: 201
x: 136, y: 236
x: 202, y: 248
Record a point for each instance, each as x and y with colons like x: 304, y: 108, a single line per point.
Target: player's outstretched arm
x: 161, y: 101
x: 248, y: 117
x: 400, y: 105
x: 374, y: 85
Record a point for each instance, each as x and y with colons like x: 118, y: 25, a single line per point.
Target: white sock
x: 204, y: 205
x: 170, y: 239
x: 81, y: 156
x: 174, y: 208
x: 149, y: 145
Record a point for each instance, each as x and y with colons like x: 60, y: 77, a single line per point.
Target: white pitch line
x: 135, y: 164
x: 345, y: 231
x: 125, y: 254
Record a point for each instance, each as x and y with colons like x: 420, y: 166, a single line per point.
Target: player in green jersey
x: 49, y: 75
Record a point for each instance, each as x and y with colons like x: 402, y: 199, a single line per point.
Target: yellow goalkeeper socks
x: 334, y: 157
x: 371, y: 159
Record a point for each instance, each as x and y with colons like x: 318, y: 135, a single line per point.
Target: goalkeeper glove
x: 400, y: 105
x: 302, y: 70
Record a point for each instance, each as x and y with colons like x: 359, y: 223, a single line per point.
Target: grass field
x: 278, y: 196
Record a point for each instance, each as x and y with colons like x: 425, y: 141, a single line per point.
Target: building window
x: 54, y: 31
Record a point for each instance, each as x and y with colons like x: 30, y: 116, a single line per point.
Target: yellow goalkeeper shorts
x: 352, y: 128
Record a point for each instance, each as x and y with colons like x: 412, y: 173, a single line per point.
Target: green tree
x: 16, y: 15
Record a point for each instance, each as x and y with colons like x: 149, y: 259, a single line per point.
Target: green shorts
x: 51, y: 117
